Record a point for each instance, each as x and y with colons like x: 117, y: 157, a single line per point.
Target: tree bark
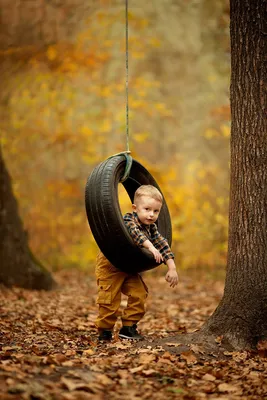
x: 241, y: 316
x: 18, y: 267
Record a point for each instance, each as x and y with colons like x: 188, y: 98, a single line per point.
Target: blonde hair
x: 148, y: 190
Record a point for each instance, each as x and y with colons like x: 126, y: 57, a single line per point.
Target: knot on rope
x: 128, y: 165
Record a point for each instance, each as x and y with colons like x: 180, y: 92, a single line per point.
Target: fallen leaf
x: 197, y: 349
x: 208, y: 377
x: 72, y: 385
x: 136, y: 369
x: 88, y: 352
x: 122, y: 346
x: 146, y: 358
x: 189, y: 357
x: 104, y: 379
x: 226, y: 387
x: 149, y: 372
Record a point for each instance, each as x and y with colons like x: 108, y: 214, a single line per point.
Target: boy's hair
x: 148, y: 190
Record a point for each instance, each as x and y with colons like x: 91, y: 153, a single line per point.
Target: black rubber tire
x: 105, y: 218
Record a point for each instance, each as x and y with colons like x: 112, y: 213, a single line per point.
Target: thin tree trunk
x: 18, y: 267
x: 25, y: 27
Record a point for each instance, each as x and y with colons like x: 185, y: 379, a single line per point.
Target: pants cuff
x: 104, y: 329
x: 129, y: 323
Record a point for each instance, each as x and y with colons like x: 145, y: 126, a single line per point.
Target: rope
x: 127, y: 76
x: 128, y: 165
x: 126, y: 153
x: 129, y: 159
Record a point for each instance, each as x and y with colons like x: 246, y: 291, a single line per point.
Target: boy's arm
x: 163, y: 246
x: 158, y: 246
x: 139, y: 237
x: 149, y: 246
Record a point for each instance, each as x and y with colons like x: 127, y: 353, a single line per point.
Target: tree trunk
x: 24, y: 27
x: 18, y: 266
x: 241, y: 317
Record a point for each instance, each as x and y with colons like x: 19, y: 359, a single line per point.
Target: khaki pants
x: 111, y: 284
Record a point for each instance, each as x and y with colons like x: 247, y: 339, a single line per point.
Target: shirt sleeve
x: 139, y: 236
x: 161, y: 243
x: 134, y: 230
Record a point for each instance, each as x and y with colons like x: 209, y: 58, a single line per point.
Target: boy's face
x: 147, y: 209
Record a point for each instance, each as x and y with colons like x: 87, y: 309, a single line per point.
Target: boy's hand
x: 156, y: 254
x: 172, y: 277
x: 149, y: 246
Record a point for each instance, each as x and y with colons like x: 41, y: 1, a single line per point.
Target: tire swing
x: 103, y: 210
x: 105, y: 218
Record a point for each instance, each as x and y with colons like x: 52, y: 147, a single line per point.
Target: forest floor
x: 49, y: 348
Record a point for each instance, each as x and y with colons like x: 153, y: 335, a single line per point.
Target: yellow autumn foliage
x: 64, y: 118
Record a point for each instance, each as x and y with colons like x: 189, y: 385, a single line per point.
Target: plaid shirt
x: 141, y: 232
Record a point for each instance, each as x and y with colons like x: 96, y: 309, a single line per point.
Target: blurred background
x: 63, y: 110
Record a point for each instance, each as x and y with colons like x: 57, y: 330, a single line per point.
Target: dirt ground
x: 49, y: 348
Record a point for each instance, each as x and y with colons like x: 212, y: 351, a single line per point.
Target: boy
x: 112, y: 282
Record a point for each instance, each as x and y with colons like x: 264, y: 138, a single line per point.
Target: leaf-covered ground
x: 49, y: 348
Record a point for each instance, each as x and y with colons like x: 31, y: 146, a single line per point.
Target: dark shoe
x: 130, y: 332
x: 105, y: 336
